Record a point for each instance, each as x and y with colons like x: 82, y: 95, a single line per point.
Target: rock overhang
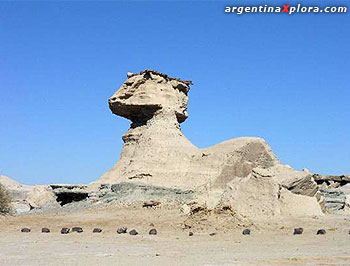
x: 144, y: 93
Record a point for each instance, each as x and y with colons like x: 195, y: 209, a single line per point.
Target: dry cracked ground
x: 271, y: 242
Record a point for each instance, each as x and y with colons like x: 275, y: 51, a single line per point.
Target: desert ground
x: 271, y: 241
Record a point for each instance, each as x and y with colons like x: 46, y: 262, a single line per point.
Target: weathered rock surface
x: 299, y: 205
x: 24, y: 198
x: 156, y: 152
x: 243, y: 173
x: 38, y: 196
x: 335, y: 190
x: 253, y: 196
x: 158, y: 164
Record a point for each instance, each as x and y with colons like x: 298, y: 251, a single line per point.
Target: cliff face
x: 239, y: 172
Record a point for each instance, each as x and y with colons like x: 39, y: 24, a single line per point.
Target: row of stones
x: 153, y: 231
x: 297, y: 231
x: 66, y: 230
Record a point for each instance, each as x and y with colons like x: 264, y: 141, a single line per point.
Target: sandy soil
x: 271, y: 242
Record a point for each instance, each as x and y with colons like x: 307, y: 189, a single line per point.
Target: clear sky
x: 283, y: 78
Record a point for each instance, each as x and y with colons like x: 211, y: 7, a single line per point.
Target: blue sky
x: 283, y: 78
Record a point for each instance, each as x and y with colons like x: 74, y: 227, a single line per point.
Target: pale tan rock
x: 156, y: 152
x: 299, y: 205
x: 299, y: 182
x: 347, y: 203
x: 38, y: 196
x: 25, y: 197
x: 20, y: 207
x: 185, y: 209
x: 242, y: 173
x: 17, y: 191
x: 8, y: 182
x: 255, y: 196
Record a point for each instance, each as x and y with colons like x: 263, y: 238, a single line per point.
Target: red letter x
x: 285, y: 8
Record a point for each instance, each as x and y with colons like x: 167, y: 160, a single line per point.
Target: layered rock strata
x: 243, y: 172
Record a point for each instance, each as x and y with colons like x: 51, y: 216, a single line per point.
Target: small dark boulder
x: 45, y: 230
x: 25, y: 230
x: 122, y: 230
x: 153, y: 231
x: 190, y: 233
x: 246, y: 231
x: 133, y: 232
x: 298, y: 231
x: 97, y: 230
x: 321, y: 232
x: 212, y: 234
x: 77, y: 229
x: 65, y: 230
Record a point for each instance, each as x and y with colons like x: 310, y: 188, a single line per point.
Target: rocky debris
x: 342, y: 179
x: 133, y: 232
x: 321, y: 232
x: 334, y: 198
x: 153, y: 231
x: 246, y: 232
x: 122, y: 230
x: 150, y: 204
x: 97, y: 230
x: 25, y: 230
x: 190, y: 233
x: 298, y: 231
x: 65, y: 230
x: 77, y: 229
x: 335, y: 190
x: 185, y: 209
x: 45, y: 230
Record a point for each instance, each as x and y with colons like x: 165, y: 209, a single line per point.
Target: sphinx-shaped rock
x: 155, y: 150
x: 156, y: 153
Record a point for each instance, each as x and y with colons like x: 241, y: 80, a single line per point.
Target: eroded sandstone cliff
x: 243, y: 172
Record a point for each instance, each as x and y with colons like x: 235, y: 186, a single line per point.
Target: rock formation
x: 24, y: 197
x: 158, y: 164
x: 243, y: 173
x: 335, y: 190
